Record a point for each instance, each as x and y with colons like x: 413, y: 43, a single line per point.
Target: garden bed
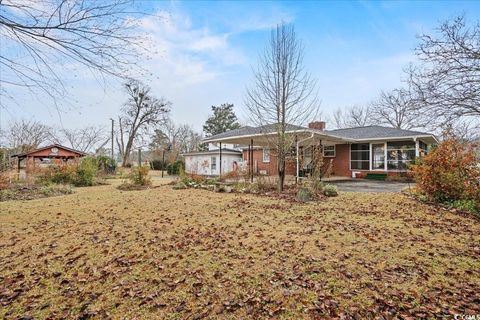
x: 30, y: 192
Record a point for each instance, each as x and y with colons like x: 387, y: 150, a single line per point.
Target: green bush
x: 304, y: 195
x: 52, y: 190
x: 139, y: 176
x: 466, y: 205
x: 106, y: 165
x: 80, y: 175
x: 330, y: 190
x: 180, y: 185
x: 315, y: 185
x: 86, y: 172
x: 159, y: 165
x: 63, y: 174
x: 175, y: 168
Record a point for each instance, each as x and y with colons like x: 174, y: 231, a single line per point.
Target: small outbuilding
x: 215, y: 161
x: 54, y: 153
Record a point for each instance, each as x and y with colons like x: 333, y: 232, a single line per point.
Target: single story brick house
x: 347, y: 152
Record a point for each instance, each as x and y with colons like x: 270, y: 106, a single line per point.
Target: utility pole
x: 113, y: 152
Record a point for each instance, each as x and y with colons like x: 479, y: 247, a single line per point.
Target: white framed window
x: 400, y: 154
x: 213, y: 163
x: 266, y: 155
x: 360, y: 156
x: 329, y: 151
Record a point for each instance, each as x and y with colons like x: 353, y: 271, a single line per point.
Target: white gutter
x: 306, y: 130
x: 398, y: 138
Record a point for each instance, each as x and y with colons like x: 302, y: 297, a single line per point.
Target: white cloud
x: 188, y: 54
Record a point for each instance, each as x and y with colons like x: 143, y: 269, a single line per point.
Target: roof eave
x: 414, y: 137
x: 234, y: 139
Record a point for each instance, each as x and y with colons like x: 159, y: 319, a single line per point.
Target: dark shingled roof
x: 248, y: 130
x: 374, y: 132
x: 350, y: 134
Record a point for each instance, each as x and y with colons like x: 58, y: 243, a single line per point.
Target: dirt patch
x: 177, y: 254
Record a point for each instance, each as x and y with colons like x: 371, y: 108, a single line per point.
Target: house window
x: 378, y: 156
x: 360, y: 156
x: 423, y: 148
x: 329, y: 151
x: 400, y: 154
x: 213, y: 162
x: 266, y: 155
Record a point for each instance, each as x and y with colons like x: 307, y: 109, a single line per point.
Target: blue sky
x: 206, y: 51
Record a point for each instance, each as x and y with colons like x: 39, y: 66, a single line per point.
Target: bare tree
x: 25, y: 135
x: 83, y: 139
x: 141, y: 111
x: 283, y: 94
x: 448, y: 77
x: 40, y: 38
x: 464, y: 130
x: 398, y: 108
x: 178, y: 139
x: 356, y: 116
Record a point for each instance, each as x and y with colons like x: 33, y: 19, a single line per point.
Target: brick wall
x: 269, y: 167
x: 341, y: 162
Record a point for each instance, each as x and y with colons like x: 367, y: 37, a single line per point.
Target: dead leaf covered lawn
x: 177, y: 254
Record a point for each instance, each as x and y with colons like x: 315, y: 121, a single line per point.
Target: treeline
x: 143, y: 123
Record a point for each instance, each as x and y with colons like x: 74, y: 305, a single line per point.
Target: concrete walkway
x: 370, y: 186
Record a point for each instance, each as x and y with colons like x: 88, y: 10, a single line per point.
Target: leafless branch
x: 284, y: 92
x: 448, y: 78
x: 355, y: 116
x: 42, y: 37
x: 141, y: 111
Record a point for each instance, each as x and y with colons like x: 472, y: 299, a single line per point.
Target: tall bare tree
x: 398, y: 108
x: 41, y: 37
x: 141, y: 111
x: 82, y: 139
x: 355, y: 116
x: 25, y: 135
x: 176, y: 138
x: 283, y: 94
x: 447, y: 80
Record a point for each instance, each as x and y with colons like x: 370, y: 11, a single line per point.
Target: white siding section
x: 202, y: 163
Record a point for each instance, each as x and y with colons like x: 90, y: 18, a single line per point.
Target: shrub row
x: 84, y: 173
x: 450, y: 174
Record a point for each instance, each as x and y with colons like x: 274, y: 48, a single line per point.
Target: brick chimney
x: 319, y: 125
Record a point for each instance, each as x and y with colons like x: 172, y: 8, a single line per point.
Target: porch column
x: 251, y: 176
x: 248, y: 159
x: 385, y: 154
x: 220, y: 167
x: 320, y: 146
x: 370, y: 156
x: 417, y: 148
x: 298, y: 162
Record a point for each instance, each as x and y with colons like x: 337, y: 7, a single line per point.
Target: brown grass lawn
x: 192, y: 254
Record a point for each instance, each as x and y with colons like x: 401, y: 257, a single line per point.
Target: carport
x: 300, y: 138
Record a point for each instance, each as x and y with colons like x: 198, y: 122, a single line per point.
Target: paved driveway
x: 370, y: 186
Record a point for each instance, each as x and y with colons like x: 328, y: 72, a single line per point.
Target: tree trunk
x: 281, y: 172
